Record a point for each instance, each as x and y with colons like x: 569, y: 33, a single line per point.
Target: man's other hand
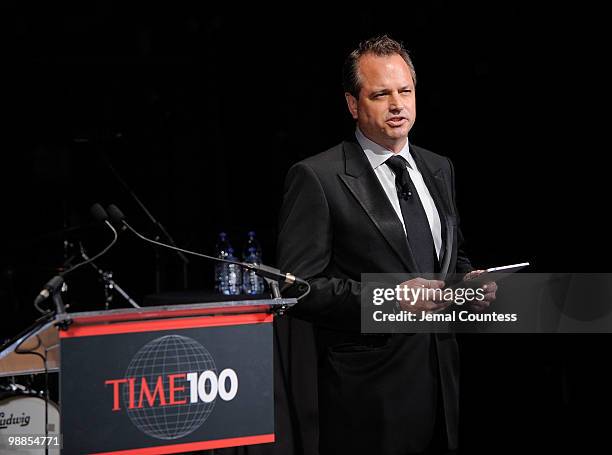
x: 489, y: 288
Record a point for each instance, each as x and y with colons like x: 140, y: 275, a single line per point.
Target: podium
x: 164, y: 379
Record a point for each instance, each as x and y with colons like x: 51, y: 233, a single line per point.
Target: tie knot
x: 397, y: 164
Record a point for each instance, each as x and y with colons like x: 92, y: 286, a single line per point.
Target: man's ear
x: 351, y: 102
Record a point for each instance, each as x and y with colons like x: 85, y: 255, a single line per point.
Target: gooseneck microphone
x: 118, y: 218
x: 55, y: 284
x: 52, y: 286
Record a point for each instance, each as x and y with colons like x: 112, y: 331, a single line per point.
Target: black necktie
x: 415, y: 219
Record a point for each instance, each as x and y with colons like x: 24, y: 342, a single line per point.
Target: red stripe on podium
x: 164, y: 313
x: 77, y: 330
x: 189, y: 446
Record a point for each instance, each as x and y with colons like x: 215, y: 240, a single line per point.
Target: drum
x: 23, y: 415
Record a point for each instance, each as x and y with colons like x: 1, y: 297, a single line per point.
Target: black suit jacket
x: 377, y: 394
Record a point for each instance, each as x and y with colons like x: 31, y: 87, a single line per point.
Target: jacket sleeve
x: 305, y: 248
x: 463, y: 263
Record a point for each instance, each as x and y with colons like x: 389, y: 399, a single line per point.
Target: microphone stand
x: 159, y: 226
x: 63, y: 320
x: 56, y: 285
x: 109, y: 284
x: 274, y: 288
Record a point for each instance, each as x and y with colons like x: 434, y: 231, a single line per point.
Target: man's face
x: 385, y: 110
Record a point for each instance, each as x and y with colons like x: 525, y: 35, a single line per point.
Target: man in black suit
x: 376, y: 204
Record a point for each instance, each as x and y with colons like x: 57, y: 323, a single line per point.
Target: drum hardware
x: 110, y: 284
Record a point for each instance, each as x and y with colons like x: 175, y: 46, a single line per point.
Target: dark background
x: 202, y: 112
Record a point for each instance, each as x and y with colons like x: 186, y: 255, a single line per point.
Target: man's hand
x: 490, y: 289
x: 425, y: 301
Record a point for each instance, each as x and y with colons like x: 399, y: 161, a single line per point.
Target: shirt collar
x: 377, y: 154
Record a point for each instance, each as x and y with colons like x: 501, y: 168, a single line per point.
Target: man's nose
x: 395, y: 102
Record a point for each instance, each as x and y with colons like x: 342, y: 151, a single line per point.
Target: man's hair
x: 380, y: 46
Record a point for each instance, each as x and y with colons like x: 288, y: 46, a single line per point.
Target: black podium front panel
x: 167, y: 386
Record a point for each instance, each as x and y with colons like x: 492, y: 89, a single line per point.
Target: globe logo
x: 171, y: 354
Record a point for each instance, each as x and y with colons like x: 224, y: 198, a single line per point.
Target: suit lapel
x: 434, y: 179
x: 362, y: 182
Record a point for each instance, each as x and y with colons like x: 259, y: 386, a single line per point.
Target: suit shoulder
x: 431, y: 157
x: 324, y: 162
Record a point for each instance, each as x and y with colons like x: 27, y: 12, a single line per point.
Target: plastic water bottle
x: 234, y: 275
x: 228, y: 278
x: 252, y: 283
x: 220, y: 270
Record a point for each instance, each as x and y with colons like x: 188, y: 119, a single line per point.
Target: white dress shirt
x: 377, y: 155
